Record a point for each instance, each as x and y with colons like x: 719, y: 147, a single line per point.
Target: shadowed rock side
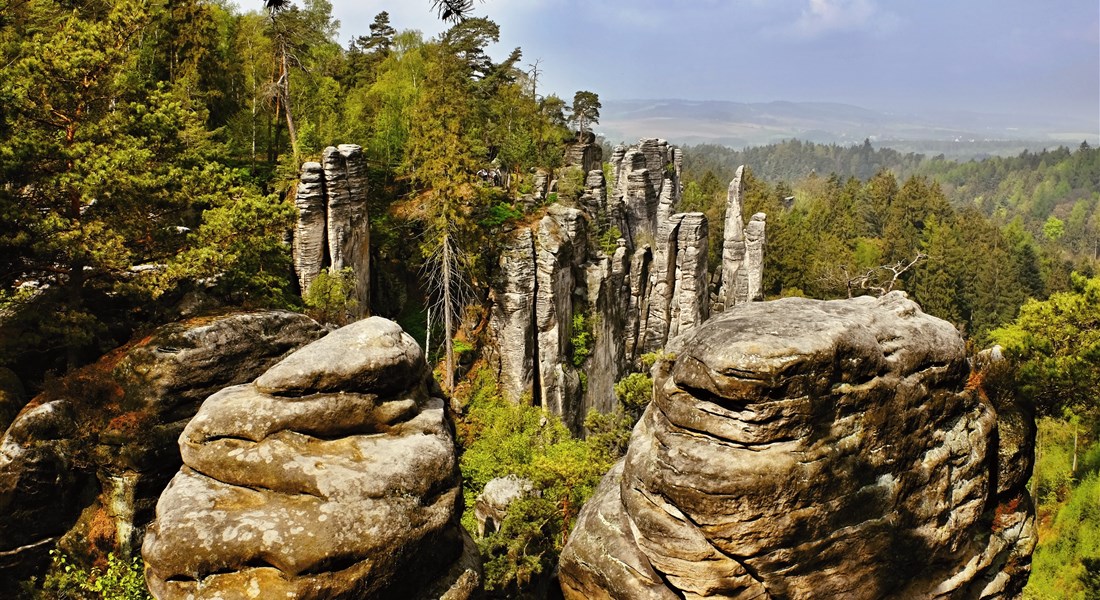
x: 634, y: 292
x: 811, y: 449
x: 334, y: 475
x: 85, y: 461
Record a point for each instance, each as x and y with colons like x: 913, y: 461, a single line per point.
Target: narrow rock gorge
x: 634, y: 292
x: 333, y: 475
x: 813, y: 449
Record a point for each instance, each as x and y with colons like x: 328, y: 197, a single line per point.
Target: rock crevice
x: 650, y: 286
x: 808, y: 449
x: 333, y: 475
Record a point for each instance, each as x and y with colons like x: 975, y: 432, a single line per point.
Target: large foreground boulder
x: 811, y: 449
x: 84, y: 462
x: 333, y: 475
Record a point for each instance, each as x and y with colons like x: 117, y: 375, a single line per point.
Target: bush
x: 499, y: 214
x: 582, y: 339
x: 571, y: 181
x: 502, y: 438
x: 331, y: 297
x: 123, y: 580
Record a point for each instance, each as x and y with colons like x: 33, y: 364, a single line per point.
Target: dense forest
x: 148, y: 150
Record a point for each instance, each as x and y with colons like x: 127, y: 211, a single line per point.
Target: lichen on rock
x: 809, y: 449
x: 334, y: 475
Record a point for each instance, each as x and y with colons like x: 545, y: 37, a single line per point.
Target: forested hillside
x: 148, y: 157
x: 146, y: 151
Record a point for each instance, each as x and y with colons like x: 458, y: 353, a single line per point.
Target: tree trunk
x: 448, y: 331
x: 1073, y: 467
x: 285, y: 92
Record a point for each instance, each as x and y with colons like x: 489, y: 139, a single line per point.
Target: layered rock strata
x: 635, y: 292
x: 333, y: 475
x: 333, y: 227
x: 742, y: 251
x: 85, y: 462
x: 811, y: 449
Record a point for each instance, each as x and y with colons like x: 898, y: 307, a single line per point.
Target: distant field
x: 738, y: 125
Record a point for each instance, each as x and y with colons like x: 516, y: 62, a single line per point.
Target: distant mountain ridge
x: 742, y: 124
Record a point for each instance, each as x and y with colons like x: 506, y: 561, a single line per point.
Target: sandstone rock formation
x: 742, y: 251
x: 333, y: 227
x: 812, y: 449
x: 584, y: 153
x: 333, y: 475
x: 85, y: 461
x: 733, y: 239
x: 650, y: 285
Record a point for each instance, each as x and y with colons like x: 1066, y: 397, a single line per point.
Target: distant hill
x: 740, y: 124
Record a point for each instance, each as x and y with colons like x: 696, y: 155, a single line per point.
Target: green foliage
x: 610, y: 432
x: 123, y: 580
x: 1057, y: 346
x: 331, y: 296
x: 582, y: 339
x: 502, y: 438
x: 499, y: 214
x: 585, y: 110
x: 1063, y: 565
x: 238, y: 250
x: 634, y: 392
x: 571, y: 182
x: 609, y: 240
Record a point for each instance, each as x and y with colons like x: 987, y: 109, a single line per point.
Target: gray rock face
x: 492, y: 504
x: 654, y: 283
x: 558, y: 383
x: 300, y: 486
x: 85, y: 464
x: 584, y: 153
x: 742, y: 252
x: 512, y: 315
x: 333, y: 228
x: 752, y: 272
x: 309, y: 230
x: 733, y: 240
x: 810, y: 449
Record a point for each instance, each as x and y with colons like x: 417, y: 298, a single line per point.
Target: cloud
x: 824, y: 17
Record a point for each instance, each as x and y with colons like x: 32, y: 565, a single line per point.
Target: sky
x: 905, y: 56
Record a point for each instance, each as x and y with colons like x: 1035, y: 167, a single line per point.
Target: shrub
x: 331, y: 297
x: 123, y: 580
x: 503, y: 438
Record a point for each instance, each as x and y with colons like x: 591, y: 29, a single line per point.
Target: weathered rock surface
x: 584, y: 153
x: 334, y: 475
x: 333, y: 227
x: 634, y: 288
x: 512, y: 314
x: 85, y: 461
x: 347, y: 222
x: 812, y: 449
x: 492, y: 504
x: 309, y: 230
x: 733, y: 239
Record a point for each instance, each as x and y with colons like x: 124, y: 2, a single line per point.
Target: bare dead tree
x: 448, y: 292
x: 880, y: 280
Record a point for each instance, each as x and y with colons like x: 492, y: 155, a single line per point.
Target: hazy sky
x: 1008, y: 56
